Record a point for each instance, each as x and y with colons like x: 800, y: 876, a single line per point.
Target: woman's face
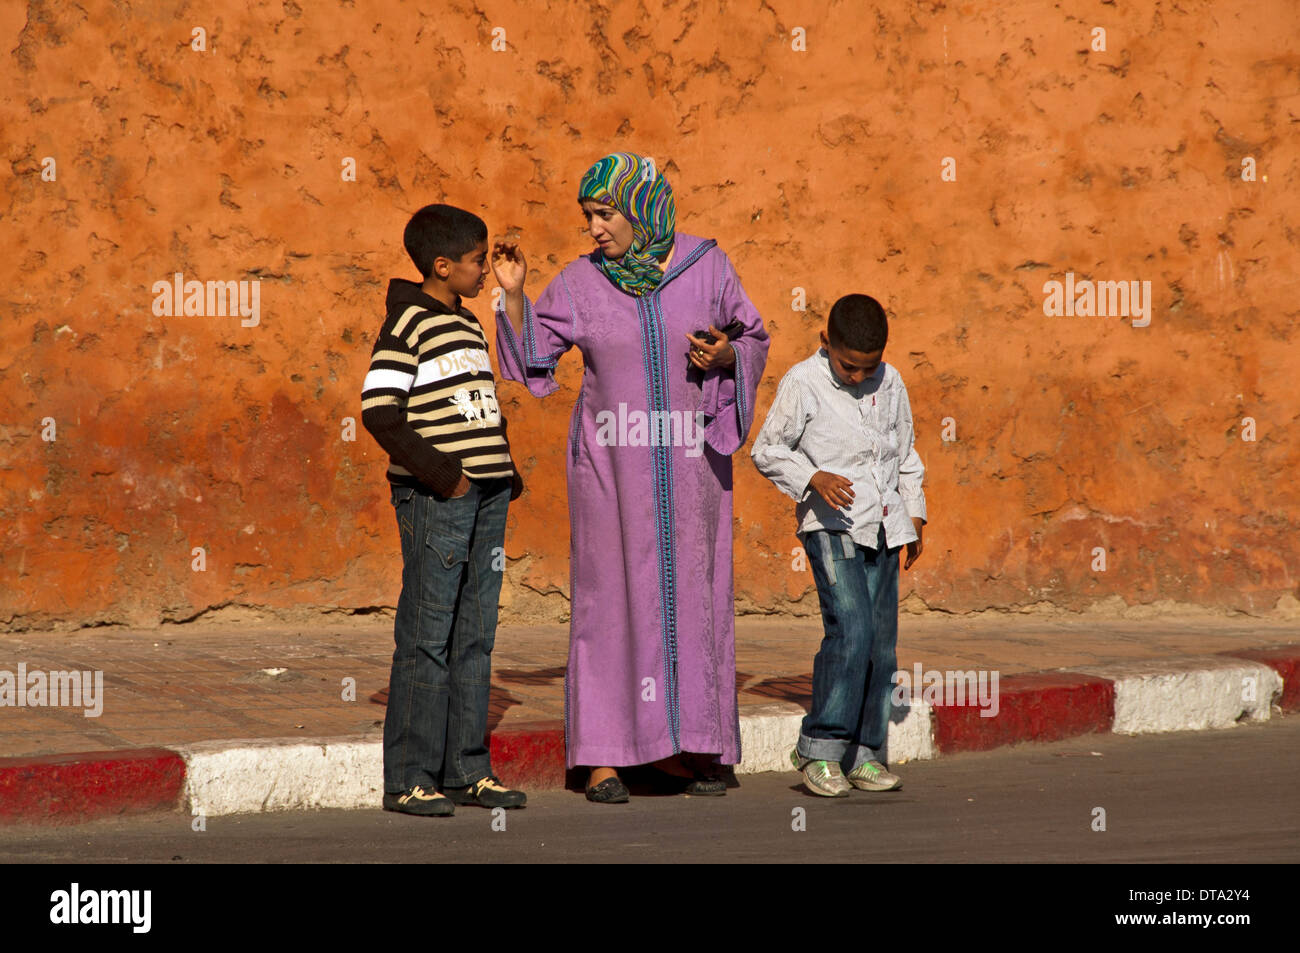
x: 610, y: 230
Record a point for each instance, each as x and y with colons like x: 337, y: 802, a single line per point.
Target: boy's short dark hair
x: 441, y: 231
x: 858, y: 322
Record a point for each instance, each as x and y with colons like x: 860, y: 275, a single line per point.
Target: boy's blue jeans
x: 854, y: 669
x: 435, y: 731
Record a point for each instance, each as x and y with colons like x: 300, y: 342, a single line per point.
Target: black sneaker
x: 420, y: 802
x: 487, y: 792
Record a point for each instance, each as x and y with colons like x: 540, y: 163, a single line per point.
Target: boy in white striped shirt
x: 839, y: 440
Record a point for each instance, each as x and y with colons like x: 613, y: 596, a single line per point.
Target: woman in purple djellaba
x: 652, y: 673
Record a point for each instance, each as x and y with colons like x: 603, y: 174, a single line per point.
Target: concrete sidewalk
x: 231, y: 719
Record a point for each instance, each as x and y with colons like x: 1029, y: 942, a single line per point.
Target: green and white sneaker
x: 821, y: 777
x: 872, y: 776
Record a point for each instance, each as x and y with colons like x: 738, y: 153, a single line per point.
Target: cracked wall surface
x: 819, y: 169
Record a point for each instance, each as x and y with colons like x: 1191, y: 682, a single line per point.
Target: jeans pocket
x: 829, y: 548
x: 820, y: 552
x: 450, y: 550
x: 446, y: 569
x: 403, y: 498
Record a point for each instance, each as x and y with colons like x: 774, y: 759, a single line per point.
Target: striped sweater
x: 429, y: 398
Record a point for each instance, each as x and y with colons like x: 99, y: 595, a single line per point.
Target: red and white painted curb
x: 71, y: 788
x: 1195, y: 693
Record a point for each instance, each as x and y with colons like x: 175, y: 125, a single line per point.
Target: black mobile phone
x: 732, y: 331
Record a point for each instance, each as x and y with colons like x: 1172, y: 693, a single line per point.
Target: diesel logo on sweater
x: 467, y: 360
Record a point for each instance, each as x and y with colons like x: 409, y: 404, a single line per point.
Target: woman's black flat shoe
x: 609, y: 791
x: 707, y: 787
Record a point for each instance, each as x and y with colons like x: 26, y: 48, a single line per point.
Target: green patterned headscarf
x: 636, y: 189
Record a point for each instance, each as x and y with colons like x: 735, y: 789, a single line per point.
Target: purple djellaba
x: 651, y: 668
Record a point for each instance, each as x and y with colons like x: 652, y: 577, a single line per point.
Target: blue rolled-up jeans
x: 853, y: 671
x: 435, y: 730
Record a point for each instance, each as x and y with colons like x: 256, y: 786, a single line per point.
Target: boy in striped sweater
x: 429, y: 400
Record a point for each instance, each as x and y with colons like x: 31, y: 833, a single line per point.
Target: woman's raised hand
x: 705, y: 355
x: 509, y: 266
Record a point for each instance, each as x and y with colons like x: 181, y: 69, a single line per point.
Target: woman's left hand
x: 509, y: 266
x: 705, y: 355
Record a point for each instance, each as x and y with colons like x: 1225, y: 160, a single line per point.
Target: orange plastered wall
x: 948, y: 159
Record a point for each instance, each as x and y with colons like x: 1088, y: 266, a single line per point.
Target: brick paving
x: 190, y: 683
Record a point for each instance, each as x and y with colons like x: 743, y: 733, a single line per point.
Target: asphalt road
x: 1202, y: 797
